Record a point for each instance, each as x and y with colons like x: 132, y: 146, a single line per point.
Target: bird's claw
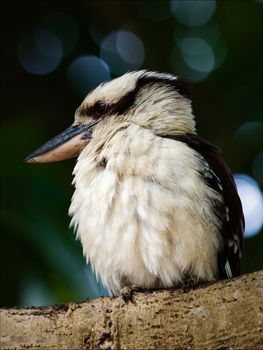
x: 188, y: 283
x: 127, y: 293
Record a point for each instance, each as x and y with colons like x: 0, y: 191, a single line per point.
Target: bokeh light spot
x: 212, y: 43
x: 193, y: 13
x: 130, y: 48
x: 198, y: 54
x: 180, y: 67
x: 86, y: 72
x: 48, y: 43
x: 252, y: 203
x: 40, y: 52
x: 250, y: 133
x: 122, y: 51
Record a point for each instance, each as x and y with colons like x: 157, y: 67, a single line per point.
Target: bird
x: 155, y: 205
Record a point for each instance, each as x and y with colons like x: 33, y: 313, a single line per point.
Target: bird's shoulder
x: 217, y: 176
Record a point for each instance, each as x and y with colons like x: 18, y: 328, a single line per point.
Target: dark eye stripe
x: 127, y: 101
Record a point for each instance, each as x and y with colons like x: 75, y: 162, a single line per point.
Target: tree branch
x: 223, y: 315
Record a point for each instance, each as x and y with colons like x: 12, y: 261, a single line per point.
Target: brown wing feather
x: 232, y: 223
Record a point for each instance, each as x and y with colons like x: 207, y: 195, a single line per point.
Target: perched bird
x: 155, y: 205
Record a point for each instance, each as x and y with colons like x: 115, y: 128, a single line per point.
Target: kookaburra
x: 155, y: 205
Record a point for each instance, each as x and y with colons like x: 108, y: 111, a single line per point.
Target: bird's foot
x: 188, y: 283
x: 127, y: 293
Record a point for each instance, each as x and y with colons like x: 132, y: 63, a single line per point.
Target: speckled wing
x: 218, y: 176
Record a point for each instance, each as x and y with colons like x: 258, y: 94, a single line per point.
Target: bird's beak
x: 65, y: 145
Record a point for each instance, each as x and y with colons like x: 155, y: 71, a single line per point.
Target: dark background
x: 41, y: 262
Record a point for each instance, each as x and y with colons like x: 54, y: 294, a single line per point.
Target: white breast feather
x: 147, y: 217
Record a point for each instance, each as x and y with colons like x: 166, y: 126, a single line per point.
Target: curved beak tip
x: 30, y: 159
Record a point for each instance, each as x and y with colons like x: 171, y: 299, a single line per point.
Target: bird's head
x: 156, y: 101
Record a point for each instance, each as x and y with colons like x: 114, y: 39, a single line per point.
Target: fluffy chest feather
x: 143, y: 213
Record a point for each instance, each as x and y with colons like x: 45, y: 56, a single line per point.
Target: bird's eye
x: 100, y: 108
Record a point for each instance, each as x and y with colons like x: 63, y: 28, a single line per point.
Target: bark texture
x: 223, y: 315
